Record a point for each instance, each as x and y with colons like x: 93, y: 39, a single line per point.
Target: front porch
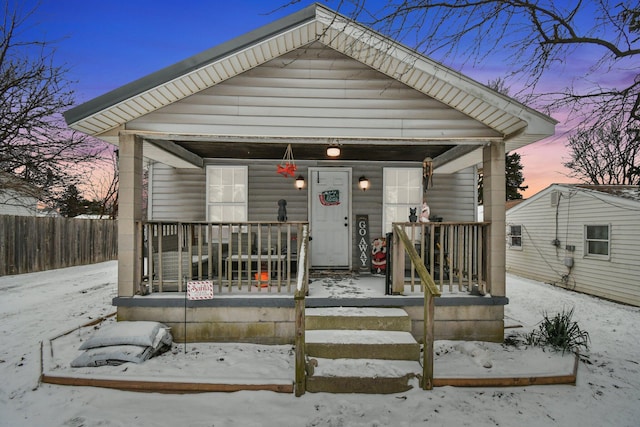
x: 262, y: 257
x: 254, y: 301
x: 270, y: 318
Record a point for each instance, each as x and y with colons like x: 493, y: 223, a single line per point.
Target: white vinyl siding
x: 180, y: 194
x: 227, y: 193
x: 613, y: 276
x: 596, y: 240
x: 402, y: 191
x: 176, y: 194
x: 315, y: 92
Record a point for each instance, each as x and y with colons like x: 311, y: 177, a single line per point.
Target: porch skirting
x: 271, y: 320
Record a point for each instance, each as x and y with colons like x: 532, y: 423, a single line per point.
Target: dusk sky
x: 107, y: 44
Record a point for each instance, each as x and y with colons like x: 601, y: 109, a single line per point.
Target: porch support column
x: 494, y: 196
x: 129, y: 211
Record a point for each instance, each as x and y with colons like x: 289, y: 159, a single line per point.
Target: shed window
x: 597, y: 240
x: 402, y: 190
x: 227, y: 193
x: 515, y: 237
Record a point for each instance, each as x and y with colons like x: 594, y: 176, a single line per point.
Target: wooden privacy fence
x: 29, y: 244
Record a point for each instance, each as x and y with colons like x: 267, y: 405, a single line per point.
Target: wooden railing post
x: 428, y: 338
x: 300, y: 387
x: 430, y: 291
x: 299, y: 298
x: 397, y: 264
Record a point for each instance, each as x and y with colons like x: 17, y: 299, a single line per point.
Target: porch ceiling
x: 349, y: 152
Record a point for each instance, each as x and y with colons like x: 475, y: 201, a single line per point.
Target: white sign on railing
x: 199, y: 289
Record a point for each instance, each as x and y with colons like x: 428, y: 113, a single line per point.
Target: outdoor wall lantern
x: 363, y: 182
x: 300, y: 182
x: 333, y: 151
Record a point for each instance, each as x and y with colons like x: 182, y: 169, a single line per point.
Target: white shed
x: 17, y: 197
x: 580, y: 237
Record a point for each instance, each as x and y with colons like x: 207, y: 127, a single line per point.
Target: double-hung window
x: 402, y: 190
x: 597, y: 240
x: 227, y: 193
x: 515, y: 237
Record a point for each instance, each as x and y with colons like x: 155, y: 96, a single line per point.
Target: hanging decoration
x: 427, y: 173
x: 288, y: 166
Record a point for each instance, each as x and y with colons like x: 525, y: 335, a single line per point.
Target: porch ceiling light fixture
x: 363, y: 182
x: 333, y: 150
x: 300, y: 182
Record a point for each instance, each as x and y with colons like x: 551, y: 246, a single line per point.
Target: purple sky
x: 109, y: 43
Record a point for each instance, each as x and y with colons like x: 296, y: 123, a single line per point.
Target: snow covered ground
x: 39, y: 306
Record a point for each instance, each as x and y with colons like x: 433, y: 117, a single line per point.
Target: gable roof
x: 102, y: 116
x: 630, y: 192
x: 628, y: 195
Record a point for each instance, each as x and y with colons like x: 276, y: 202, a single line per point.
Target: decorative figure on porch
x: 379, y: 255
x: 412, y: 215
x: 425, y: 212
x: 282, y: 210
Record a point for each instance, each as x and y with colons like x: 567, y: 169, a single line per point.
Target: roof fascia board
x: 188, y: 65
x: 157, y: 136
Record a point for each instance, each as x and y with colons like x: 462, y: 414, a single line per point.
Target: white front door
x: 329, y: 217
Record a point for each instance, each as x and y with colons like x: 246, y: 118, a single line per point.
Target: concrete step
x: 372, y: 376
x: 354, y: 344
x: 372, y: 318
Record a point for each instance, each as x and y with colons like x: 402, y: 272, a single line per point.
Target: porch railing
x: 453, y: 253
x: 430, y: 292
x: 245, y: 256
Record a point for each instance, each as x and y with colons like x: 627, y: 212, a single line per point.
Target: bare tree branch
x: 35, y: 144
x: 605, y: 155
x: 538, y: 39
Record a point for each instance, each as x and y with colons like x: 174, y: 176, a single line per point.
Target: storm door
x: 330, y: 207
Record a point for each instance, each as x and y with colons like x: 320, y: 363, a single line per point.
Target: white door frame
x: 310, y: 194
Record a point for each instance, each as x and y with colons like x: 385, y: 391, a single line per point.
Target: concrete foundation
x: 265, y: 320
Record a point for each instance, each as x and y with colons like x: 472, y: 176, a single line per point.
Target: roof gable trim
x: 190, y: 65
x: 499, y: 112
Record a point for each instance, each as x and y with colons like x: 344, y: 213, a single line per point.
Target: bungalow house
x: 283, y: 129
x: 580, y: 237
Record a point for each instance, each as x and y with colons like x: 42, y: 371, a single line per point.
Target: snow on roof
x: 631, y: 192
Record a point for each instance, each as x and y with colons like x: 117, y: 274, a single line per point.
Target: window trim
x: 510, y: 236
x: 385, y: 171
x: 587, y: 254
x: 208, y: 202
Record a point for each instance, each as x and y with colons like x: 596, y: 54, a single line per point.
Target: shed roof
x: 627, y: 195
x: 630, y: 192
